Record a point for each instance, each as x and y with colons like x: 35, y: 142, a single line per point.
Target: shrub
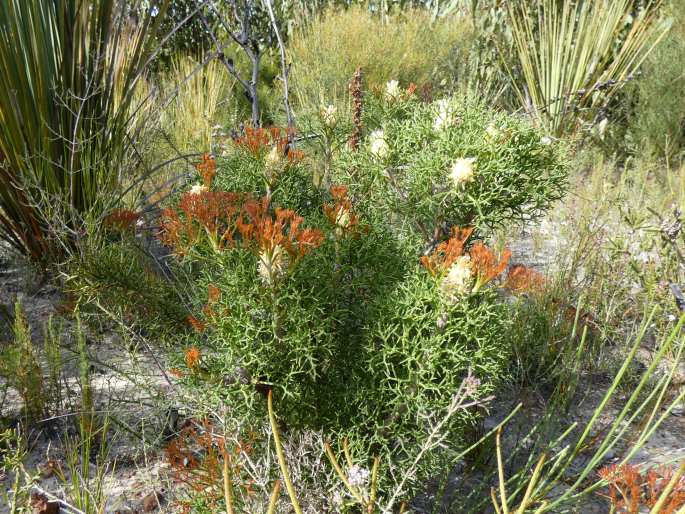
x: 324, y: 297
x: 658, y: 115
x: 119, y: 276
x: 405, y: 46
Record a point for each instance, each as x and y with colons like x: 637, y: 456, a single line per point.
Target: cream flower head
x: 272, y: 158
x: 198, y: 189
x: 272, y: 265
x: 392, y: 91
x: 462, y: 171
x: 458, y: 279
x: 446, y: 116
x: 379, y: 147
x: 342, y: 219
x: 328, y: 115
x: 492, y: 131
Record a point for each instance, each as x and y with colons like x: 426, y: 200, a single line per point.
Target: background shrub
x: 405, y: 46
x: 657, y: 117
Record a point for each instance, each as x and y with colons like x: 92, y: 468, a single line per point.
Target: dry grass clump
x: 195, y: 109
x: 405, y: 46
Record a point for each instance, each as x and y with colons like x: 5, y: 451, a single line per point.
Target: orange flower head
x: 207, y: 169
x: 274, y: 235
x: 213, y: 294
x: 340, y: 213
x: 485, y: 264
x: 196, y: 324
x: 632, y: 491
x: 446, y: 253
x: 260, y: 141
x: 521, y: 279
x: 192, y: 357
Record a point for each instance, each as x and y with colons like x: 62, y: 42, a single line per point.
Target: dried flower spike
x: 357, y: 96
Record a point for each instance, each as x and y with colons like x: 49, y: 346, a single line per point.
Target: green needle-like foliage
x: 574, y: 55
x: 67, y: 71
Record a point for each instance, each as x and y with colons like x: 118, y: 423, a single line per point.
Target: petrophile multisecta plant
x: 361, y: 306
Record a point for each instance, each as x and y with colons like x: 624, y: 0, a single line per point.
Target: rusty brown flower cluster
x: 209, y: 212
x: 260, y: 141
x: 121, y: 220
x: 340, y: 213
x: 479, y: 264
x: 630, y: 489
x: 439, y: 262
x: 521, y: 279
x: 200, y: 457
x: 232, y: 219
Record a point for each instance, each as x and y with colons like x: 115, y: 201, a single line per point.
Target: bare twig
x: 284, y: 66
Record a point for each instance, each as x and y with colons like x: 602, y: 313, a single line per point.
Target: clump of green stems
x: 68, y: 70
x: 569, y: 58
x: 645, y: 408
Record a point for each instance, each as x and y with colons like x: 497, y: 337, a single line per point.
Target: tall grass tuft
x: 67, y: 71
x: 194, y: 110
x: 573, y: 56
x: 404, y: 46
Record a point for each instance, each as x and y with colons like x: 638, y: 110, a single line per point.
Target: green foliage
x: 452, y: 162
x: 87, y: 464
x: 19, y: 366
x: 13, y: 451
x: 404, y: 46
x: 420, y: 347
x: 118, y: 276
x: 53, y: 358
x: 657, y: 111
x: 640, y: 412
x: 67, y: 73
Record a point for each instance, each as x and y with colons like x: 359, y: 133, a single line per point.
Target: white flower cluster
x: 198, y: 189
x: 378, y: 144
x: 393, y: 91
x: 447, y: 115
x: 273, y: 158
x: 462, y: 171
x: 328, y: 116
x: 458, y: 279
